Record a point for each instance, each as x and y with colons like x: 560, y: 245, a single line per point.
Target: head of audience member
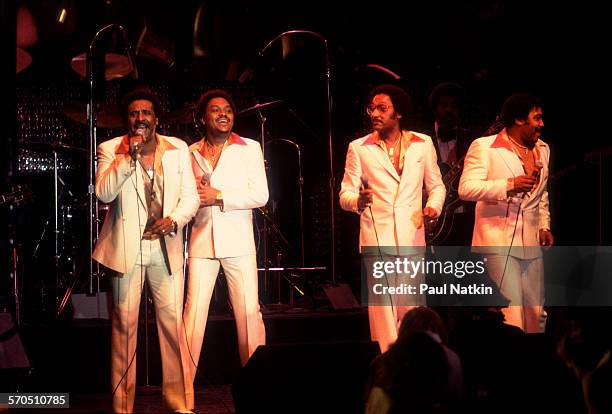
x: 423, y: 319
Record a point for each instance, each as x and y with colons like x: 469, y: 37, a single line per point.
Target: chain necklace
x: 524, y: 148
x: 213, y: 152
x: 391, y: 150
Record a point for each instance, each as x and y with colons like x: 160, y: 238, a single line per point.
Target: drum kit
x: 66, y: 223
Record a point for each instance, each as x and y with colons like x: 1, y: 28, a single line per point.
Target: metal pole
x: 332, y: 181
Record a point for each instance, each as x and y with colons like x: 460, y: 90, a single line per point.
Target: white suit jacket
x: 489, y: 163
x: 241, y: 177
x: 121, y: 185
x: 396, y: 201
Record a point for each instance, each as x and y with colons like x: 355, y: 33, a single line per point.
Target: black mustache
x: 142, y: 124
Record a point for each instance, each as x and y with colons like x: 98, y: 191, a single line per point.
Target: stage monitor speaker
x: 12, y: 354
x: 91, y: 307
x: 305, y: 378
x: 341, y: 296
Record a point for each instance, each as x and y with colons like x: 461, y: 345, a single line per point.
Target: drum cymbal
x: 23, y: 60
x: 108, y: 116
x: 116, y: 66
x: 265, y: 105
x: 184, y: 115
x: 52, y: 146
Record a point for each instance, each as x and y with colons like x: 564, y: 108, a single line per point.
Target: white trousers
x: 386, y: 315
x: 522, y: 282
x: 242, y: 282
x: 167, y: 292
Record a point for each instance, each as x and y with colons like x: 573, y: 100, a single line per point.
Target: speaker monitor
x: 12, y: 354
x: 341, y: 296
x: 312, y: 378
x: 91, y: 307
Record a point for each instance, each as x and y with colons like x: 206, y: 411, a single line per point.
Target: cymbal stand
x: 332, y: 184
x: 93, y: 219
x: 56, y: 256
x: 262, y: 131
x: 300, y: 189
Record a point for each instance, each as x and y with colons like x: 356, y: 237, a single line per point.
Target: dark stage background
x: 493, y: 48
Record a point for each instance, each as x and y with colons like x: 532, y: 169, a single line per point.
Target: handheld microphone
x: 135, y: 143
x: 365, y: 183
x: 205, y: 180
x: 537, y: 169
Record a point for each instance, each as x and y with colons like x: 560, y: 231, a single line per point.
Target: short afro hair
x: 139, y: 93
x: 518, y: 106
x: 210, y: 95
x: 446, y: 89
x: 400, y: 100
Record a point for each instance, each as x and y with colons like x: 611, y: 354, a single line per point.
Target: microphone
x: 205, y: 180
x: 135, y: 143
x: 537, y: 169
x: 365, y: 182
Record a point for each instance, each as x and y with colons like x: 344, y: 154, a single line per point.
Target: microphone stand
x: 93, y: 218
x: 262, y: 132
x: 332, y: 184
x: 300, y: 190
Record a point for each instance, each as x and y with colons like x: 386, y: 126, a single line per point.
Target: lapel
x: 170, y: 164
x: 409, y: 155
x: 197, y: 155
x: 232, y: 142
x: 136, y: 178
x: 504, y: 150
x: 380, y: 156
x: 539, y: 154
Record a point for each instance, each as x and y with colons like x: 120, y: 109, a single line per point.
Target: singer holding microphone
x: 146, y: 178
x: 231, y: 177
x: 506, y: 174
x: 383, y: 182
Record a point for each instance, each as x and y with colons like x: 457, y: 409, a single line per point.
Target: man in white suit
x: 146, y: 179
x: 383, y: 183
x: 507, y: 175
x: 231, y: 178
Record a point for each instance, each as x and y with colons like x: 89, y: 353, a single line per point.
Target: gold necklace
x: 391, y: 151
x: 214, y: 149
x: 523, y: 147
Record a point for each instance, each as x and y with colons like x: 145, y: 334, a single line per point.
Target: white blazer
x: 119, y: 183
x: 396, y: 201
x: 241, y: 177
x: 489, y: 163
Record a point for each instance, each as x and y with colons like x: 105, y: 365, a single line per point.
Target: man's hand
x: 162, y: 227
x: 522, y: 184
x: 546, y: 238
x: 430, y: 217
x: 208, y: 194
x: 135, y: 145
x: 365, y: 199
x: 430, y: 213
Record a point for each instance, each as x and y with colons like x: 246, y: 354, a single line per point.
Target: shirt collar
x: 162, y: 145
x: 234, y: 139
